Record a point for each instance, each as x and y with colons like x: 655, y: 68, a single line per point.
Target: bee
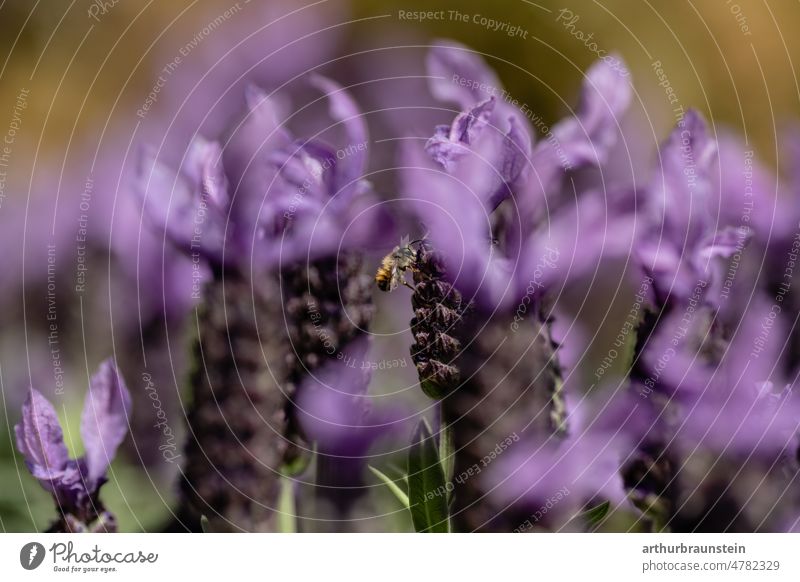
x: 393, y: 267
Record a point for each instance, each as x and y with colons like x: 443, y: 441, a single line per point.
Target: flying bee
x: 393, y: 267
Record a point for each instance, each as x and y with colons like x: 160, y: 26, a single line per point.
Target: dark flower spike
x: 283, y: 223
x: 75, y: 483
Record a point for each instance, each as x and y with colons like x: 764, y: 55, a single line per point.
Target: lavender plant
x: 75, y: 483
x: 703, y: 376
x: 512, y: 222
x: 266, y: 213
x: 509, y: 216
x: 484, y: 346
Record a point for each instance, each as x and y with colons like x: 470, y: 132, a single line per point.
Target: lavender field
x: 278, y: 266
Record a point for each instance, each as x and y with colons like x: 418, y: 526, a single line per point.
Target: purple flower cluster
x: 514, y: 217
x: 488, y: 158
x: 75, y: 483
x: 263, y: 198
x: 517, y: 217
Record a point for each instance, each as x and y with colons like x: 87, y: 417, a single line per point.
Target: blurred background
x: 83, y: 82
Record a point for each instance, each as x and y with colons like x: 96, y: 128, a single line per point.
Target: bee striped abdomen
x: 385, y: 274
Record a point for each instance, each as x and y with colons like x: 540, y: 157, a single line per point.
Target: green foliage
x: 427, y: 490
x: 287, y: 508
x: 204, y: 524
x: 401, y: 495
x: 594, y: 515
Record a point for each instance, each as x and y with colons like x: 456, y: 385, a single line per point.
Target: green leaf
x: 596, y: 514
x: 447, y: 452
x: 393, y: 487
x: 286, y: 507
x: 204, y: 525
x: 426, y: 485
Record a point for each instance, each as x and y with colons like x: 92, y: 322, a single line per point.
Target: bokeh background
x: 75, y: 76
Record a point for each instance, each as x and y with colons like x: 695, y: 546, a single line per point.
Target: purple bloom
x: 484, y: 158
x: 262, y: 195
x: 335, y: 409
x: 488, y: 124
x: 449, y: 143
x: 683, y: 241
x: 730, y: 397
x: 104, y: 422
x: 333, y: 402
x: 585, y: 465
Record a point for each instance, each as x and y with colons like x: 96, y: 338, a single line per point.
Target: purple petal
x: 680, y: 193
x: 344, y: 110
x: 104, y: 421
x: 516, y: 151
x: 448, y: 145
x: 454, y: 211
x: 247, y: 159
x: 174, y: 204
x: 589, y: 137
x: 745, y: 182
x: 458, y: 75
x: 575, y: 241
x: 333, y: 403
x: 40, y: 439
x: 204, y: 166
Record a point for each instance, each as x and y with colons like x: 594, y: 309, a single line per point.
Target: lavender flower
x: 584, y: 466
x: 684, y: 241
x: 484, y: 343
x: 75, y: 483
x: 712, y: 377
x: 279, y: 221
x: 263, y: 198
x: 485, y: 157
